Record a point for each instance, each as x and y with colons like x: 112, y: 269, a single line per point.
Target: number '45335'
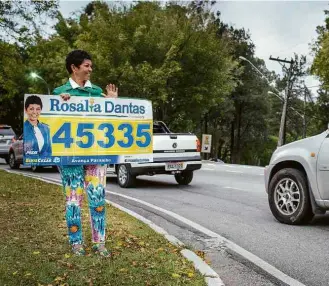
x: 85, y: 137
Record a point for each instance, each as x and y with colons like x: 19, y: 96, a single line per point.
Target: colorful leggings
x: 92, y: 179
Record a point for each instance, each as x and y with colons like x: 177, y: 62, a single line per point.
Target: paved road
x: 231, y: 201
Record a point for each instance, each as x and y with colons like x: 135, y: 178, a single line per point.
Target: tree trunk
x: 232, y: 142
x: 237, y: 135
x: 206, y: 132
x: 238, y: 141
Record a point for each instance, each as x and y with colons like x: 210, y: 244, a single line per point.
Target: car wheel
x: 36, y: 168
x: 289, y: 198
x: 184, y: 178
x: 125, y: 178
x: 13, y: 164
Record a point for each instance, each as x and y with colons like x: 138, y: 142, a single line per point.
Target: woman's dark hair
x: 76, y: 58
x: 33, y: 99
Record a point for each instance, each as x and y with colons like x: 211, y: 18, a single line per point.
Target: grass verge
x: 34, y: 246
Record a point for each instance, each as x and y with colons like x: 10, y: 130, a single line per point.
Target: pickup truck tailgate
x: 175, y: 147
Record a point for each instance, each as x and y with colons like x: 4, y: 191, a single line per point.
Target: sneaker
x: 78, y: 250
x: 101, y: 250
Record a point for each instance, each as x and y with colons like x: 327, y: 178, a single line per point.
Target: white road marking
x: 231, y: 188
x: 208, y: 169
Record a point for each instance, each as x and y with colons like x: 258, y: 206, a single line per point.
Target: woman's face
x: 33, y: 112
x: 83, y: 72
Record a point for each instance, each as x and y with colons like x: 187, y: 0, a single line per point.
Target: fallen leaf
x: 67, y: 255
x: 36, y: 252
x: 59, y: 279
x: 14, y: 273
x: 175, y: 275
x: 190, y: 274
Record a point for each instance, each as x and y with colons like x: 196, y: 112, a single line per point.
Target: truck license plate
x: 175, y: 166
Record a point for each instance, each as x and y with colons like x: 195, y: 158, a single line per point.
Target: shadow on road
x: 150, y: 184
x: 321, y: 220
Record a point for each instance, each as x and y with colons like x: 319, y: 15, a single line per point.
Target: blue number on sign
x: 127, y: 135
x: 143, y: 131
x: 108, y: 135
x: 63, y: 135
x: 82, y: 132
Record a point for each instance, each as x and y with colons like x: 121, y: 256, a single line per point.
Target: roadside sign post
x: 206, y: 144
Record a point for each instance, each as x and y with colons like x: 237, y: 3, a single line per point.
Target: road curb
x: 211, y: 277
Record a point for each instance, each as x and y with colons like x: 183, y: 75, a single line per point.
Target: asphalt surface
x: 231, y: 201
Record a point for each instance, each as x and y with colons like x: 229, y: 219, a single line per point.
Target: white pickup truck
x: 175, y: 154
x: 297, y: 180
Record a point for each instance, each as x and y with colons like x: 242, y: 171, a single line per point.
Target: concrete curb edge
x: 211, y: 277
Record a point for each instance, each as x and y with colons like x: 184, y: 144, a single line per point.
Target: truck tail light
x: 198, y: 145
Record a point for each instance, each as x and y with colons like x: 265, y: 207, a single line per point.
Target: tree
x: 21, y: 20
x: 167, y: 54
x: 249, y: 101
x: 13, y: 84
x: 20, y: 23
x: 321, y: 48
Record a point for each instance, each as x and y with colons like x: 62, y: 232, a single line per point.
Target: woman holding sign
x: 90, y: 178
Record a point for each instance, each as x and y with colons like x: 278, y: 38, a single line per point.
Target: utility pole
x: 304, y: 116
x: 282, y: 131
x: 308, y: 95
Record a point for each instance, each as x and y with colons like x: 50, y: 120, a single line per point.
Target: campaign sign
x: 86, y: 130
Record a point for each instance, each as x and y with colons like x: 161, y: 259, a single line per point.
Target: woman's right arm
x: 64, y: 96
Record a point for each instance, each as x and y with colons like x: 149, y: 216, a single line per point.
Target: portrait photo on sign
x: 36, y: 133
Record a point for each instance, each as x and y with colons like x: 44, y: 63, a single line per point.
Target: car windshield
x: 6, y: 130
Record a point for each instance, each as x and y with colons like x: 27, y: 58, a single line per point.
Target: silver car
x: 15, y: 156
x: 15, y: 153
x: 7, y: 134
x: 297, y: 180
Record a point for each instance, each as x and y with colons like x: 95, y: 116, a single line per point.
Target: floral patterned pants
x: 92, y: 180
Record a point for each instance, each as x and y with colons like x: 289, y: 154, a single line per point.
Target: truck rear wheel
x: 125, y: 178
x: 184, y: 178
